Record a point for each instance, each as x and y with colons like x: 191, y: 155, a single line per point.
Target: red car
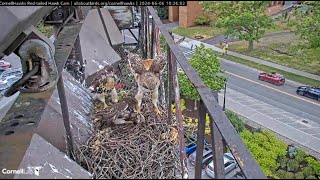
x: 272, y: 77
x: 4, y: 65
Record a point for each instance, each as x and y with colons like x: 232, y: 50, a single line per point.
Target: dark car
x: 311, y: 92
x: 273, y: 77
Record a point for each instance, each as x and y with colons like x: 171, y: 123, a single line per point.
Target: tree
x: 307, y: 23
x: 243, y: 19
x: 207, y: 65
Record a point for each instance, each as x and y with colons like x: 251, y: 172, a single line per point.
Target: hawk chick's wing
x: 159, y: 64
x: 136, y: 63
x: 110, y: 112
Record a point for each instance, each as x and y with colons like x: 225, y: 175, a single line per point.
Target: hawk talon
x: 158, y: 112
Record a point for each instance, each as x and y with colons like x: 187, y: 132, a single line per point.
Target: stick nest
x: 131, y: 151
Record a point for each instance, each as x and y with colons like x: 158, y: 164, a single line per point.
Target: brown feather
x: 136, y: 63
x: 158, y: 65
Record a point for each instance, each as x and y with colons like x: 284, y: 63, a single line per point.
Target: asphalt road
x: 245, y: 80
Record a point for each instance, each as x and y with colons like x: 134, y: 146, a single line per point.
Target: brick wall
x: 173, y: 13
x: 187, y: 14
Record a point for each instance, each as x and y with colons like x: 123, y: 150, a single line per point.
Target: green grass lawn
x: 286, y: 50
x: 209, y: 31
x: 280, y: 26
x: 205, y: 31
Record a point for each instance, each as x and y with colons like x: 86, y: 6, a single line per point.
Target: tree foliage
x: 202, y: 20
x: 207, y: 65
x: 162, y: 11
x: 307, y: 23
x: 243, y: 19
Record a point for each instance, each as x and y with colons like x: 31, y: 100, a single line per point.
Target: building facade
x: 186, y: 15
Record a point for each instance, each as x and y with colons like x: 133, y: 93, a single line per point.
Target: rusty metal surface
x: 183, y: 157
x: 169, y: 87
x: 217, y: 145
x: 20, y: 18
x: 21, y: 121
x: 44, y: 161
x: 200, y: 144
x: 246, y: 161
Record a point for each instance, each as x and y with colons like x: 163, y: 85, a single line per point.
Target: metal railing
x: 15, y: 140
x: 220, y: 125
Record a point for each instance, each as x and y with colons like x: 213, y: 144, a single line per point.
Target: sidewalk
x: 298, y: 129
x: 191, y: 44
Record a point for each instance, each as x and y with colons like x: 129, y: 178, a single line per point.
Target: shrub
x: 288, y: 175
x: 307, y: 171
x: 300, y: 156
x: 292, y: 165
x: 266, y: 149
x: 202, y: 20
x: 236, y: 121
x: 314, y: 164
x: 282, y: 160
x: 299, y: 175
x: 281, y: 173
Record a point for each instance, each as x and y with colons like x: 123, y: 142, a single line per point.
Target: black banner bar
x: 93, y: 3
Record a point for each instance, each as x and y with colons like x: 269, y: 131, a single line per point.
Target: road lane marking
x: 296, y: 110
x: 283, y: 92
x: 285, y: 124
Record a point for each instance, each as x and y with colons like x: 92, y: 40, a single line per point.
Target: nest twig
x: 145, y: 150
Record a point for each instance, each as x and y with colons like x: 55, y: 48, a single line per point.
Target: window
x: 228, y: 164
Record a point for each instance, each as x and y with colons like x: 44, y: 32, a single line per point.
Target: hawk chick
x: 119, y: 113
x: 147, y: 75
x: 104, y: 84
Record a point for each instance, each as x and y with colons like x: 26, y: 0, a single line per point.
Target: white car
x: 229, y: 164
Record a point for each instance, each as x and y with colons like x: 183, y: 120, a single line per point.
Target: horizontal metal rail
x: 246, y: 161
x: 21, y: 121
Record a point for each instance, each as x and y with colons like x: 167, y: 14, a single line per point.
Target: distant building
x: 187, y: 14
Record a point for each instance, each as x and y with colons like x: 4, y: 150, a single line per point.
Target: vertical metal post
x: 153, y: 37
x: 148, y: 34
x: 200, y: 140
x: 169, y: 85
x: 183, y: 157
x: 65, y: 116
x: 143, y: 33
x: 217, y: 145
x: 224, y: 97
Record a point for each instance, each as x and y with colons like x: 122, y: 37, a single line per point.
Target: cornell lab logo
x: 31, y: 170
